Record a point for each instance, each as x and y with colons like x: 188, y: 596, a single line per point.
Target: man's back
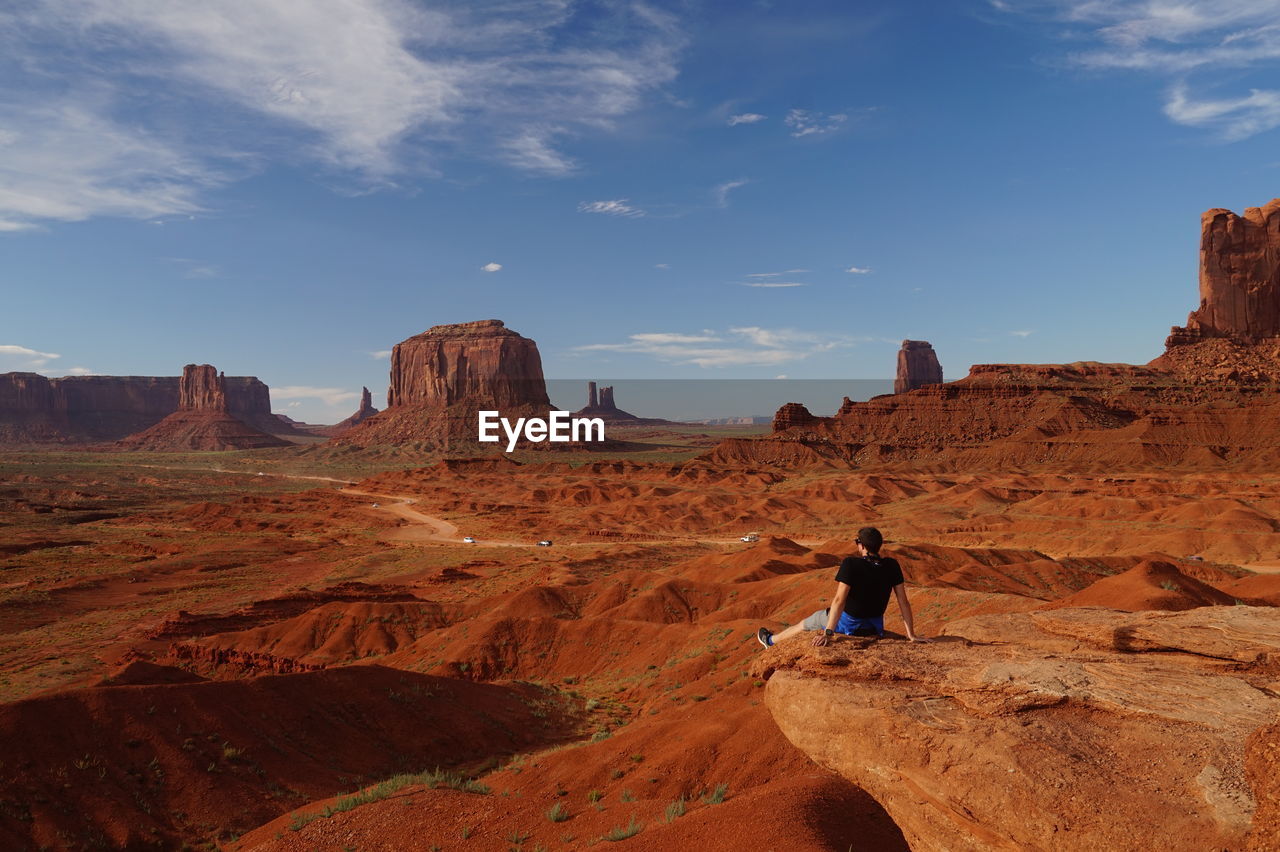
x: 871, y: 580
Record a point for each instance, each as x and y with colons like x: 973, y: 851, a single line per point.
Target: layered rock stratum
x: 88, y: 409
x: 1211, y: 400
x: 917, y: 366
x: 441, y: 378
x: 1070, y: 729
x: 203, y: 420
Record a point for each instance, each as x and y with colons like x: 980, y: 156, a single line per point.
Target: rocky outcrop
x: 600, y: 404
x: 1088, y: 415
x: 1239, y: 277
x: 1078, y: 729
x: 917, y: 366
x: 442, y: 377
x: 791, y: 416
x: 481, y: 361
x: 202, y: 389
x: 363, y: 413
x: 89, y: 409
x: 1208, y: 403
x: 202, y: 421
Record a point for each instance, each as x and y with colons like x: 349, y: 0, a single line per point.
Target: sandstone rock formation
x: 1239, y: 277
x: 363, y: 413
x: 84, y: 409
x: 790, y: 416
x: 601, y: 405
x: 442, y: 377
x: 202, y: 421
x: 202, y: 388
x: 1008, y: 732
x: 917, y: 366
x: 1209, y: 401
x: 468, y: 361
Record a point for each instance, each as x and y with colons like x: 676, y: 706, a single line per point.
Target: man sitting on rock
x: 863, y: 584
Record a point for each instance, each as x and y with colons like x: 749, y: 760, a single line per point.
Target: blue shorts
x: 847, y: 624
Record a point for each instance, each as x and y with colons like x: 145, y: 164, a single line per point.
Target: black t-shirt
x: 870, y: 580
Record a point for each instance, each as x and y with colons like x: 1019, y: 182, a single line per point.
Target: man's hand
x: 821, y: 639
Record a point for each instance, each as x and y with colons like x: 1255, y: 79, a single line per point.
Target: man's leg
x: 816, y: 621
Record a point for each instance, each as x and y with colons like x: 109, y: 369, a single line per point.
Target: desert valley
x: 223, y: 629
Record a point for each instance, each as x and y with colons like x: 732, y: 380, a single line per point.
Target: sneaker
x: 765, y: 637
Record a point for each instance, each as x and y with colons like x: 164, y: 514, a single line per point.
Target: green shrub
x: 630, y: 830
x: 383, y: 789
x: 717, y: 795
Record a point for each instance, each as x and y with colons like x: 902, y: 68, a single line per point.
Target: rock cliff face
x: 917, y: 366
x: 202, y: 388
x: 202, y: 421
x: 1007, y: 732
x: 1239, y: 277
x: 86, y: 409
x: 791, y: 416
x: 451, y: 364
x: 442, y: 377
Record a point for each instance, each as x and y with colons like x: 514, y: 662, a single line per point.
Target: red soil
x: 1148, y: 585
x: 136, y: 765
x: 649, y: 633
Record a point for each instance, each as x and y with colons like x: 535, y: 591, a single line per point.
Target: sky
x: 673, y: 189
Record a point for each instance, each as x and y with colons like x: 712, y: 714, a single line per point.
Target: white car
x: 546, y: 542
x: 375, y: 505
x: 749, y: 537
x: 468, y: 540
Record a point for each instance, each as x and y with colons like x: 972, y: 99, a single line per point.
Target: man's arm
x: 833, y: 612
x: 904, y: 606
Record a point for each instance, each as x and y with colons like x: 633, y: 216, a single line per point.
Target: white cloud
x: 776, y: 274
x: 80, y: 371
x: 773, y: 283
x: 1021, y: 333
x: 380, y: 354
x: 491, y: 267
x: 181, y: 96
x: 617, y: 207
x: 1234, y: 118
x: 63, y: 161
x: 532, y: 151
x: 721, y: 192
x: 202, y: 272
x: 1176, y: 39
x: 748, y: 346
x: 859, y: 270
x: 805, y: 122
x: 329, y: 396
x: 22, y: 359
x: 746, y: 118
x: 664, y: 338
x: 662, y: 266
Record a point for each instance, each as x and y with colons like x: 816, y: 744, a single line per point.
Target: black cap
x: 870, y: 538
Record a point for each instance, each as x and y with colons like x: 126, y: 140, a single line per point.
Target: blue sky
x: 649, y: 190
